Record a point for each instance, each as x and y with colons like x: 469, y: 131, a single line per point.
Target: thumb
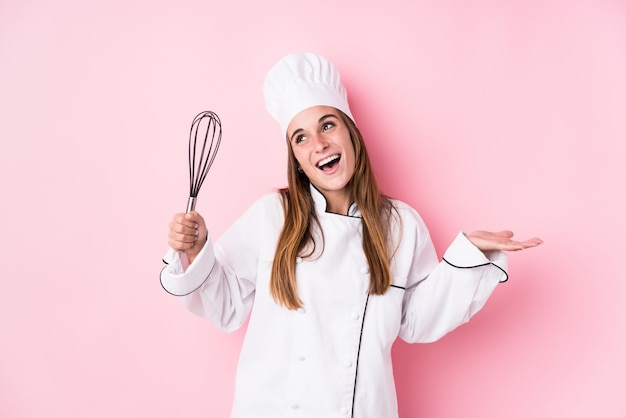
x: 505, y: 233
x: 197, y: 218
x: 193, y: 216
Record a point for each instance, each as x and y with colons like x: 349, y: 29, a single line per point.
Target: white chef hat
x: 299, y: 81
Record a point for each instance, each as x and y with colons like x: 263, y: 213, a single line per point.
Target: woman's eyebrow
x: 297, y: 131
x: 330, y: 115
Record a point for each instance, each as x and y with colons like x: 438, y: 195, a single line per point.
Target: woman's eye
x: 299, y: 139
x: 327, y: 126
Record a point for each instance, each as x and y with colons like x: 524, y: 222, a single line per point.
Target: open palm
x: 501, y: 241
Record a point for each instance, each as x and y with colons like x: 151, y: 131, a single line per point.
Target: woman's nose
x: 320, y: 143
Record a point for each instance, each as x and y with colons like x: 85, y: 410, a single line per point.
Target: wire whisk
x: 205, y: 136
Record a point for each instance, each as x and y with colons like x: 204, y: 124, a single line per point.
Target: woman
x: 329, y: 271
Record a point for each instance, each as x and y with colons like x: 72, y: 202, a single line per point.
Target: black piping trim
x: 358, y: 354
x: 506, y: 275
x: 347, y: 215
x: 397, y: 287
x: 174, y: 294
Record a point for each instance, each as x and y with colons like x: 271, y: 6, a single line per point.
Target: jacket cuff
x: 463, y: 254
x: 180, y: 282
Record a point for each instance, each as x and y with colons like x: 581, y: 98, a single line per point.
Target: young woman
x: 329, y: 271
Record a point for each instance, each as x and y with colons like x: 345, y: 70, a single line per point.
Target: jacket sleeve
x: 440, y: 296
x: 220, y: 283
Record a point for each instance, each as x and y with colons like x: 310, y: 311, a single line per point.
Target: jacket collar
x: 321, y: 204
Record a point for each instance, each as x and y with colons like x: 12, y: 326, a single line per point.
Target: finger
x: 183, y: 219
x: 504, y: 233
x: 533, y: 242
x: 180, y: 246
x: 183, y: 228
x: 195, y: 217
x: 522, y: 245
x: 183, y: 236
x: 512, y: 247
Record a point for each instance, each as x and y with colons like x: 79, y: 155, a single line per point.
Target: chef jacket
x: 332, y: 357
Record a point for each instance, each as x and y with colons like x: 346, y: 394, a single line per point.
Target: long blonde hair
x: 301, y: 219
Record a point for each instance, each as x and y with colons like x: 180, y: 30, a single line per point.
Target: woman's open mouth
x: 329, y: 162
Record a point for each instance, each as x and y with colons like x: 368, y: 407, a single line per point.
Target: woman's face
x: 321, y: 143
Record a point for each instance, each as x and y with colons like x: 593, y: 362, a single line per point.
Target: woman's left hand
x: 500, y: 241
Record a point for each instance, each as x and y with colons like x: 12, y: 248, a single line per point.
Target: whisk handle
x: 191, y: 204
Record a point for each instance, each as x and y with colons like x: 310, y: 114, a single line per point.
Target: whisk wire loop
x: 205, y: 136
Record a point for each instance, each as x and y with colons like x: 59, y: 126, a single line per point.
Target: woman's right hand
x: 188, y: 233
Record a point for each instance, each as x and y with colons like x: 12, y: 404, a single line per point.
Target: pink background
x: 482, y: 115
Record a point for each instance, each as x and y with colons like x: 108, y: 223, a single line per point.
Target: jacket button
x: 301, y: 310
x: 355, y: 315
x: 301, y: 358
x: 347, y: 363
x: 295, y: 406
x: 343, y: 411
x: 298, y: 260
x: 365, y: 270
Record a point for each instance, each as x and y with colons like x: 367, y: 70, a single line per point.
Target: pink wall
x: 484, y: 115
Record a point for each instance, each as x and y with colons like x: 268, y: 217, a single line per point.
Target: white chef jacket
x: 331, y: 358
